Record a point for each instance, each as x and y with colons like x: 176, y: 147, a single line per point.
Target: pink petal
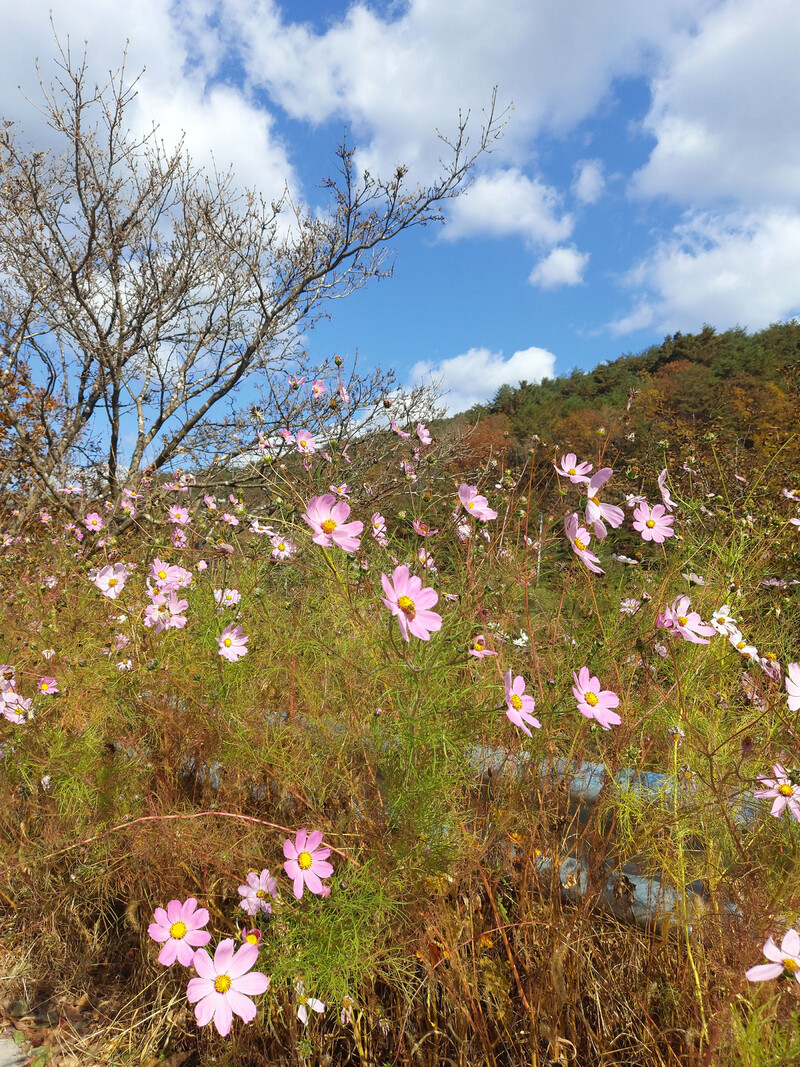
x: 300, y: 840
x: 158, y: 933
x: 198, y: 988
x: 169, y: 953
x: 174, y: 910
x: 241, y: 1005
x: 223, y: 1017
x: 297, y: 888
x: 289, y: 851
x: 313, y: 882
x: 763, y: 972
x: 224, y: 955
x: 314, y: 840
x: 322, y: 868
x: 160, y: 917
x: 790, y: 946
x: 204, y: 965
x: 243, y: 961
x: 252, y: 984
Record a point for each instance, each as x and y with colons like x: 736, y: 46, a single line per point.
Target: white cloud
x: 724, y: 110
x: 563, y: 266
x: 742, y: 270
x: 508, y: 202
x: 589, y: 183
x: 475, y: 376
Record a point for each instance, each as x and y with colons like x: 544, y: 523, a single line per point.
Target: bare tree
x: 142, y: 290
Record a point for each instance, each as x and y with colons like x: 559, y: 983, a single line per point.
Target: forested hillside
x: 733, y: 390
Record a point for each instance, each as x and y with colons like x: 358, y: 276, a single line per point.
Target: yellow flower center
x: 650, y: 524
x: 251, y: 939
x: 227, y: 642
x: 162, y: 574
x: 222, y: 983
x: 329, y: 526
x: 580, y: 545
x: 786, y: 790
x: 303, y: 442
x: 595, y: 500
x: 740, y: 645
x: 591, y: 699
x: 406, y: 605
x: 516, y: 702
x: 304, y: 861
x: 480, y: 645
x: 471, y: 504
x: 790, y: 965
x: 682, y: 620
x: 260, y: 893
x: 281, y: 547
x: 177, y: 930
x: 45, y: 687
x: 112, y: 581
x: 571, y: 470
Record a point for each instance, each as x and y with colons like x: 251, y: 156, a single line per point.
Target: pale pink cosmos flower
x: 93, y: 521
x: 225, y: 985
x: 344, y: 396
x: 398, y: 431
x: 520, y: 705
x: 110, y: 580
x: 129, y: 508
x: 667, y: 500
x: 784, y: 960
x: 318, y: 387
x: 423, y: 529
x: 653, y: 523
x: 166, y: 575
x: 570, y: 468
x: 306, y: 444
x: 227, y: 597
x: 342, y: 490
x: 327, y: 518
x: 305, y: 1002
x: 378, y: 525
x: 687, y: 623
x: 594, y: 702
x: 479, y: 649
x: 232, y: 643
x: 723, y: 622
x: 179, y: 515
x: 282, y: 548
x: 597, y: 511
x: 782, y: 789
x: 295, y: 382
x: 306, y: 862
x: 48, y: 686
x: 71, y: 487
x: 580, y: 539
x: 180, y: 928
x: 424, y: 434
x: 209, y: 501
x: 474, y: 503
x: 793, y: 686
x: 255, y: 893
x: 166, y: 612
x: 231, y: 520
x: 411, y: 603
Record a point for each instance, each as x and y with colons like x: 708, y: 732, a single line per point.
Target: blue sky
x: 648, y: 180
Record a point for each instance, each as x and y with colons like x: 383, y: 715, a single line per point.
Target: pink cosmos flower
x: 378, y: 524
x: 596, y: 511
x: 180, y: 928
x: 306, y: 862
x: 580, y: 539
x: 129, y: 508
x: 782, y: 789
x: 166, y: 612
x: 306, y: 443
x: 520, y: 705
x: 423, y: 529
x: 342, y: 490
x: 327, y: 518
x: 479, y: 649
x: 111, y: 580
x: 785, y: 960
x: 318, y: 387
x: 72, y: 487
x: 475, y: 504
x: 282, y: 548
x: 179, y: 515
x: 288, y: 438
x: 653, y: 523
x: 232, y: 643
x: 793, y: 686
x: 687, y: 623
x: 344, y: 396
x: 594, y: 702
x: 231, y: 520
x: 398, y: 431
x: 166, y: 575
x: 93, y: 521
x: 668, y: 502
x: 570, y: 468
x: 225, y: 985
x: 227, y: 597
x: 424, y: 434
x: 255, y: 893
x: 410, y: 603
x: 295, y: 382
x: 48, y: 686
